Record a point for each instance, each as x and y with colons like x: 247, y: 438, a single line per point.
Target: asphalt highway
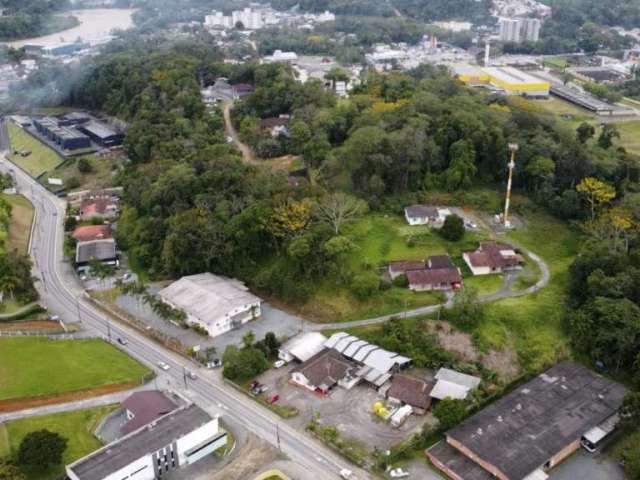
x: 63, y: 295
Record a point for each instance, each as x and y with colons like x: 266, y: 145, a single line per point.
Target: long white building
x: 179, y: 438
x: 218, y: 304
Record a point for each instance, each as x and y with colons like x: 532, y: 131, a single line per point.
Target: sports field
x: 41, y: 159
x: 76, y: 426
x: 40, y: 367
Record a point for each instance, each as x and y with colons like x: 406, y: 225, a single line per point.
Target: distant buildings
x: 169, y: 442
x: 255, y: 18
x: 520, y: 29
x: 505, y: 80
x: 532, y: 429
x: 217, y: 304
x: 281, y: 57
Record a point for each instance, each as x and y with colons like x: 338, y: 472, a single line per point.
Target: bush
x: 84, y: 165
x: 199, y: 329
x: 450, y: 412
x: 453, y: 228
x: 73, y: 182
x: 467, y: 310
x: 364, y: 285
x: 401, y: 281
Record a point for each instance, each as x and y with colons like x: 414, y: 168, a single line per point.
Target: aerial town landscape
x: 319, y: 239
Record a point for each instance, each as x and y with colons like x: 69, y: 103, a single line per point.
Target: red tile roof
x: 434, y: 276
x: 403, y: 267
x: 412, y: 391
x: 92, y: 232
x: 494, y: 255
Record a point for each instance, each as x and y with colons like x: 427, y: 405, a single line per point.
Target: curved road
x: 63, y: 295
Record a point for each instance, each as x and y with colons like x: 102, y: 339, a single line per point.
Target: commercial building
x: 516, y: 82
x: 492, y: 257
x: 142, y: 408
x: 102, y: 134
x: 101, y: 250
x: 302, y: 347
x: 151, y: 452
x: 588, y: 101
x: 532, y: 429
x: 281, y: 57
x: 67, y: 138
x: 218, y: 304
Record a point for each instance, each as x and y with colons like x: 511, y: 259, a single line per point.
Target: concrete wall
x: 206, y: 432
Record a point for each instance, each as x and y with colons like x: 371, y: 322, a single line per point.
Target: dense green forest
x: 28, y: 18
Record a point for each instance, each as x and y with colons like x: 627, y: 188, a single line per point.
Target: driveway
x: 585, y: 466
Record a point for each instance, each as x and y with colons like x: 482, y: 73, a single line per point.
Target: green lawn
x: 31, y: 367
x: 630, y: 136
x: 485, y: 284
x: 21, y: 218
x: 100, y: 175
x: 380, y: 239
x: 533, y: 324
x: 76, y: 426
x: 42, y: 158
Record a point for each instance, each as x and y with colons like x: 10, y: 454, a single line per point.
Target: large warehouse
x: 102, y: 134
x: 532, y: 429
x: 507, y: 80
x: 217, y: 304
x: 179, y: 438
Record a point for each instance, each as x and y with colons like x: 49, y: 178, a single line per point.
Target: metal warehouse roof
x: 208, y: 297
x: 371, y: 355
x: 444, y: 389
x: 99, y: 249
x: 468, y: 381
x: 305, y: 346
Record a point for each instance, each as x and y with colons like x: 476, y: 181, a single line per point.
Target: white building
x: 325, y: 16
x: 179, y: 438
x: 218, y: 304
x: 510, y: 30
x: 250, y: 19
x: 302, y: 347
x: 530, y: 30
x: 452, y: 384
x: 281, y: 57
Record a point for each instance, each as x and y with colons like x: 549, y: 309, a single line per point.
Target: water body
x: 95, y: 25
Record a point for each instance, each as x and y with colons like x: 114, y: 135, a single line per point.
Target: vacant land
x: 100, y: 174
x: 380, y: 239
x: 36, y: 367
x: 76, y: 426
x: 41, y: 159
x: 21, y: 218
x: 630, y: 136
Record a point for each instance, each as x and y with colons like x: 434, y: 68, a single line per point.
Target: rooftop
x: 361, y: 351
x: 99, y: 249
x: 494, y: 255
x: 111, y: 458
x: 434, y: 276
x: 325, y: 369
x: 440, y: 261
x: 305, y: 345
x: 100, y: 130
x: 146, y: 406
x: 405, y: 266
x: 521, y: 431
x: 92, y: 232
x: 412, y: 391
x: 421, y: 211
x: 208, y: 297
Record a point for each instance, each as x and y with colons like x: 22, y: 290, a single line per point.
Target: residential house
x: 434, y: 279
x: 302, y: 347
x: 412, y: 391
x: 421, y: 214
x: 492, y: 257
x: 276, y: 126
x: 102, y: 250
x: 452, y: 384
x: 529, y: 431
x: 142, y: 408
x: 323, y: 371
x: 179, y: 438
x: 397, y: 269
x: 218, y: 304
x: 99, y: 207
x: 89, y: 233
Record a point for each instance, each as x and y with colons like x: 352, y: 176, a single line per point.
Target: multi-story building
x: 520, y: 29
x: 530, y: 29
x: 510, y: 30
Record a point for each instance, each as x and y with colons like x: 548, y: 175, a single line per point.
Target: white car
x: 163, y: 366
x: 347, y: 474
x: 279, y: 364
x: 398, y: 473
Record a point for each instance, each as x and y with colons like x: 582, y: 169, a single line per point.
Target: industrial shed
x: 302, y: 347
x: 102, y: 134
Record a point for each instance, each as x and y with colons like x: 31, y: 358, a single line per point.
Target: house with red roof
x: 492, y: 257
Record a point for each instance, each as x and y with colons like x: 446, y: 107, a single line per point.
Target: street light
x: 513, y: 148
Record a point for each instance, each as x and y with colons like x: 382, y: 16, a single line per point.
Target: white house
x: 179, y: 438
x: 492, y: 257
x: 218, y: 304
x: 452, y: 384
x: 424, y: 214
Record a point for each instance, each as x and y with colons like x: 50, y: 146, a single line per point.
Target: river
x: 95, y: 25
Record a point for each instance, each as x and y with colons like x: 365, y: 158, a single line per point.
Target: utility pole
x: 278, y: 435
x: 513, y: 148
x: 184, y: 377
x: 78, y: 307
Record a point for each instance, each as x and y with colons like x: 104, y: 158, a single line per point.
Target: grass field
x: 42, y: 158
x: 21, y: 218
x: 630, y: 136
x: 380, y: 239
x: 100, y: 176
x: 76, y: 426
x: 31, y: 367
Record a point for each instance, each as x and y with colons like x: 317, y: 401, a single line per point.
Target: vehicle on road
x: 398, y: 473
x: 347, y: 474
x: 470, y: 225
x: 122, y: 341
x: 215, y: 363
x: 279, y: 364
x: 54, y: 318
x: 191, y: 375
x: 163, y: 366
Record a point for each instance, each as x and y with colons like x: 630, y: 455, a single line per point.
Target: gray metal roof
x: 104, y: 249
x: 371, y: 355
x: 99, y: 129
x: 521, y: 431
x: 208, y: 297
x: 148, y: 439
x: 305, y: 345
x: 467, y: 381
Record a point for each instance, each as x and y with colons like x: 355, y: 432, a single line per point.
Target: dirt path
x: 231, y: 131
x: 248, y: 461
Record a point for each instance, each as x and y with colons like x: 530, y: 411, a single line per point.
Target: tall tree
x: 41, y: 449
x: 596, y: 193
x: 337, y: 209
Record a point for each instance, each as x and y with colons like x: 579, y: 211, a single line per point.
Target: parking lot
x: 351, y: 411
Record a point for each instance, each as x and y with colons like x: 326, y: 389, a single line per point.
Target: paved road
x: 63, y: 295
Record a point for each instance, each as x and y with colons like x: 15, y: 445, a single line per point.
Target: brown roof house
x: 440, y: 274
x: 532, y: 429
x: 397, y: 269
x: 145, y: 407
x: 276, y: 126
x: 323, y: 371
x: 89, y: 233
x: 492, y: 257
x: 410, y: 391
x: 99, y: 208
